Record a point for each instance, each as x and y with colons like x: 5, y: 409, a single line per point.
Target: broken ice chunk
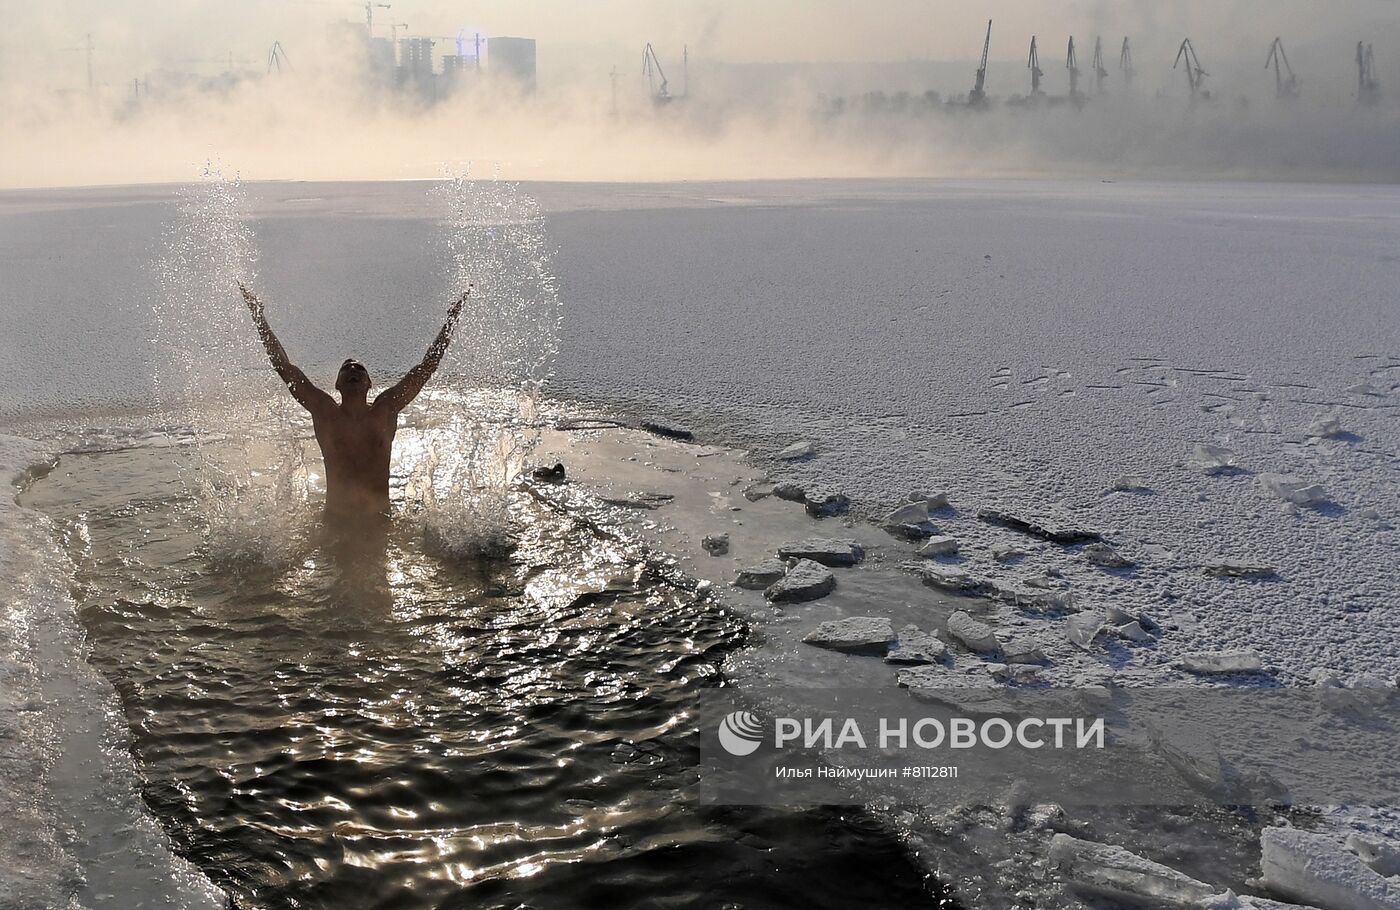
x: 837, y: 553
x: 1213, y: 459
x: 1291, y: 489
x: 1382, y: 856
x: 1022, y: 651
x: 1228, y: 568
x: 976, y: 636
x: 854, y: 634
x: 1082, y: 628
x: 807, y: 580
x: 1104, y: 556
x: 798, y: 451
x: 915, y: 646
x: 1207, y: 662
x: 1019, y: 674
x: 760, y: 575
x: 1325, y: 427
x: 941, y: 545
x: 1110, y: 871
x: 1317, y: 869
x: 1130, y: 483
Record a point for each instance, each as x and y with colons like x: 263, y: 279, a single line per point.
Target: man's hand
x: 255, y: 306
x: 454, y: 311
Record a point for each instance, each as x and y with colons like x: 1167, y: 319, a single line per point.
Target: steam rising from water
x: 256, y: 480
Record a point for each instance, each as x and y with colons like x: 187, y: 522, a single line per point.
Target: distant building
x: 459, y: 70
x: 513, y: 59
x: 416, y: 61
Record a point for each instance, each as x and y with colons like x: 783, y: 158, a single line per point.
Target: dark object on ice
x: 1060, y: 535
x: 549, y: 473
x: 716, y: 544
x: 790, y: 491
x: 837, y: 553
x: 670, y: 431
x: 805, y: 581
x: 827, y: 506
x: 1226, y: 568
x: 761, y: 575
x: 640, y: 500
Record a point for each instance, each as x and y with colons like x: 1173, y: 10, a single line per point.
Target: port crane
x: 1100, y: 74
x: 277, y: 57
x: 1368, y: 88
x: 978, y: 96
x: 1285, y: 86
x: 1072, y: 64
x: 1033, y: 64
x: 1125, y: 62
x: 651, y: 68
x: 1195, y: 74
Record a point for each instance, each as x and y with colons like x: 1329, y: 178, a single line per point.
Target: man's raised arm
x: 302, y: 389
x: 402, y: 394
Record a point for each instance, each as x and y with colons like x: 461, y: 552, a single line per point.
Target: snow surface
x: 1026, y: 345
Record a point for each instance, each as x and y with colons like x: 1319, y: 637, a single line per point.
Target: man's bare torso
x: 356, y: 446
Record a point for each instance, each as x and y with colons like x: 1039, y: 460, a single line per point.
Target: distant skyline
x: 136, y: 36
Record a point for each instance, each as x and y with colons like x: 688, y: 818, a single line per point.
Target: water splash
x: 249, y: 479
x: 465, y: 442
x: 482, y: 422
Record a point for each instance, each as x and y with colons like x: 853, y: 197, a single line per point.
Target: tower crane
x: 1100, y: 74
x: 1033, y: 64
x: 1072, y: 64
x: 369, y: 15
x: 1125, y: 62
x: 1286, y: 87
x: 978, y: 95
x: 1368, y: 88
x: 651, y: 68
x: 277, y: 57
x: 1195, y: 75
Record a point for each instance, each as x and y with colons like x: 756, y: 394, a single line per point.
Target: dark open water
x: 382, y: 727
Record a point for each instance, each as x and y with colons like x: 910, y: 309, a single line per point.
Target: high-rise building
x: 513, y: 59
x: 416, y: 60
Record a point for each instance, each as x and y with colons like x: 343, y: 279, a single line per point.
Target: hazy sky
x: 133, y: 36
x: 761, y: 70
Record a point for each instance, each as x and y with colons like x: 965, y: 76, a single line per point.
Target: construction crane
x: 1100, y: 74
x: 651, y: 68
x: 369, y: 16
x: 1125, y: 62
x: 978, y: 96
x: 277, y: 57
x: 1368, y: 88
x: 1195, y: 75
x: 1278, y: 59
x: 1072, y: 64
x: 1033, y: 64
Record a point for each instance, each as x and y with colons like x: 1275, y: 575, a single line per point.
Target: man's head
x: 353, y: 379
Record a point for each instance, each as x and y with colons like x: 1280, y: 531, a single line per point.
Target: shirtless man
x: 355, y: 435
